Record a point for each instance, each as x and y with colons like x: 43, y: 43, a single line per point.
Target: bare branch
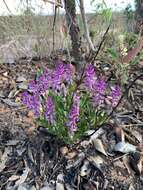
x: 7, y: 6
x: 86, y: 30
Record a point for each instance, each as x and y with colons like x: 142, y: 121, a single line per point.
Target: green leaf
x: 113, y: 54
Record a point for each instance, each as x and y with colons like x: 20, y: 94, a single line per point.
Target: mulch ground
x: 32, y: 159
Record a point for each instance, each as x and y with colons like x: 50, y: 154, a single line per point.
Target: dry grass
x: 33, y: 34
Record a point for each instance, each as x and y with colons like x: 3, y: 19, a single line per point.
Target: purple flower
x: 33, y: 86
x: 62, y: 73
x: 96, y: 86
x: 115, y: 94
x: 90, y: 71
x: 98, y: 99
x: 100, y: 86
x: 54, y: 79
x: 49, y: 110
x: 41, y: 84
x: 32, y: 102
x: 74, y: 114
x: 68, y: 76
x: 98, y: 92
x: 90, y: 77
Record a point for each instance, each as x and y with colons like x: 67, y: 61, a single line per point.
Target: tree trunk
x: 74, y: 32
x: 139, y: 16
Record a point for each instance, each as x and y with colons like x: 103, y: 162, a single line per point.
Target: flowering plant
x: 69, y: 107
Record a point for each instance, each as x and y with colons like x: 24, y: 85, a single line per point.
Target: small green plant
x: 102, y: 9
x: 121, y: 69
x: 69, y: 106
x: 130, y: 40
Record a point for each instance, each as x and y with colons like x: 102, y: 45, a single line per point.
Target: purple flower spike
x: 33, y: 86
x: 115, y: 94
x: 42, y: 83
x: 98, y: 99
x: 32, y: 102
x: 100, y: 86
x: 49, y: 110
x: 61, y: 74
x: 68, y: 76
x: 99, y: 92
x: 74, y: 114
x: 90, y: 77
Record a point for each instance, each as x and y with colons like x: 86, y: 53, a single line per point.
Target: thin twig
x: 7, y: 6
x: 54, y: 24
x: 133, y: 125
x: 56, y: 168
x: 118, y: 158
x: 101, y: 43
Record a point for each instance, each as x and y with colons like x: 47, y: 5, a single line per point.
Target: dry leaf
x: 13, y: 178
x: 127, y: 165
x: 23, y: 177
x: 120, y: 133
x: 124, y: 147
x: 96, y: 160
x: 85, y: 170
x: 99, y: 146
x: 71, y: 155
x: 30, y: 114
x: 4, y: 158
x: 136, y: 162
x: 64, y: 150
x: 60, y: 182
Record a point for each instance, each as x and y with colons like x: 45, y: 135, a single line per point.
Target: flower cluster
x: 52, y: 79
x: 73, y: 117
x: 99, y: 92
x: 32, y: 102
x: 47, y: 80
x: 97, y: 87
x: 90, y: 77
x: 50, y: 110
x: 62, y: 73
x: 41, y: 84
x: 50, y: 90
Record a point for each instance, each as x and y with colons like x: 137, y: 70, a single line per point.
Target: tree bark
x: 74, y: 32
x: 139, y: 16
